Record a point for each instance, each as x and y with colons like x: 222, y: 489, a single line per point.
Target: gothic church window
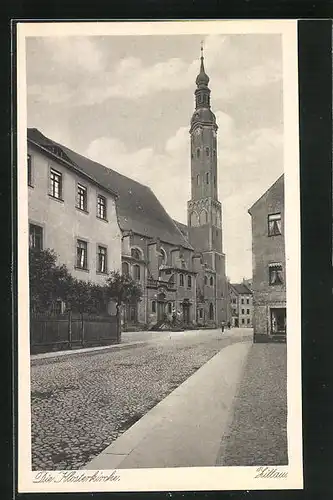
x: 164, y: 256
x: 207, y: 177
x: 203, y: 217
x: 275, y: 274
x: 211, y: 281
x: 136, y: 272
x: 207, y: 151
x: 136, y: 253
x: 211, y: 311
x: 194, y: 219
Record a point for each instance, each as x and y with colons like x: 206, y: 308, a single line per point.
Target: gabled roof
x: 264, y: 194
x: 241, y: 289
x: 138, y: 208
x: 182, y: 227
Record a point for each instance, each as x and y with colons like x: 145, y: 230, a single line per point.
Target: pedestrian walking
x: 229, y: 325
x: 222, y: 326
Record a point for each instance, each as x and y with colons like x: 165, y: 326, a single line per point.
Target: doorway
x: 278, y: 321
x: 186, y: 313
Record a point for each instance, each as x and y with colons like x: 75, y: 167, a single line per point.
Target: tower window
x: 211, y: 281
x: 198, y: 180
x: 214, y: 180
x: 214, y: 153
x: 207, y: 151
x: 198, y: 152
x: 207, y: 178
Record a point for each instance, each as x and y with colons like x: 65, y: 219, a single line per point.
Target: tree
x: 122, y: 289
x: 48, y: 281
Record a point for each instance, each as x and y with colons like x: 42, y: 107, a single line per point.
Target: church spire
x: 202, y: 79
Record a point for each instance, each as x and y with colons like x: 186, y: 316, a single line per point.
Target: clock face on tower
x: 198, y: 131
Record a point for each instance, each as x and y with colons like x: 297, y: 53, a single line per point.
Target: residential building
x: 269, y: 273
x: 71, y: 212
x: 181, y: 268
x: 241, y: 301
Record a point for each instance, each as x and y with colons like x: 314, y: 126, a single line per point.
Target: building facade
x: 181, y: 268
x: 269, y: 275
x: 241, y: 301
x: 71, y: 213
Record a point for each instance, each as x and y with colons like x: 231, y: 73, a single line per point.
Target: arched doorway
x: 160, y: 306
x: 186, y: 311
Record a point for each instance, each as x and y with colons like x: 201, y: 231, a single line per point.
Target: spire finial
x: 202, y: 78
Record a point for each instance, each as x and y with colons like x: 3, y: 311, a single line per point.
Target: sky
x: 127, y: 101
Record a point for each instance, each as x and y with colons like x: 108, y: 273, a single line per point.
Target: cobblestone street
x: 81, y: 403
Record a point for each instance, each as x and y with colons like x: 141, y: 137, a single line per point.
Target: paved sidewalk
x: 87, y: 350
x: 185, y: 429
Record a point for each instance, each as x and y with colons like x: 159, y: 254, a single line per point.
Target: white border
x: 178, y: 479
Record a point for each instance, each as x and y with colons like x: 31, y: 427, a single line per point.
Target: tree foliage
x: 48, y: 281
x: 122, y: 288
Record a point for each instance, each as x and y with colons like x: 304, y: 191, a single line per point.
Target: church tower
x: 204, y: 208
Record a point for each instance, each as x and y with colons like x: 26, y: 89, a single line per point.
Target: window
x: 169, y: 307
x: 275, y: 274
x: 35, y: 237
x: 200, y: 313
x: 136, y: 272
x: 243, y: 321
x: 247, y: 311
x: 243, y: 311
x: 29, y: 170
x: 181, y: 280
x: 198, y: 180
x: 207, y: 177
x: 214, y: 153
x: 102, y: 260
x: 242, y: 301
x: 247, y: 301
x: 198, y: 152
x: 56, y: 184
x: 214, y: 180
x: 203, y: 217
x: 81, y: 197
x: 194, y: 219
x: 189, y: 281
x: 206, y: 280
x: 82, y: 254
x: 211, y: 311
x: 153, y: 306
x: 248, y: 321
x: 274, y: 224
x: 135, y: 253
x: 125, y: 268
x: 101, y: 207
x: 211, y: 281
x: 207, y: 151
x: 163, y: 255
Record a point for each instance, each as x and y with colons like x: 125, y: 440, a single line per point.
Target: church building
x: 181, y: 268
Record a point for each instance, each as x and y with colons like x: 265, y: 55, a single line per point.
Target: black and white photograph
x: 158, y: 256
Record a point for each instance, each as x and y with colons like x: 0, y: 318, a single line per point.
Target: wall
x: 63, y: 223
